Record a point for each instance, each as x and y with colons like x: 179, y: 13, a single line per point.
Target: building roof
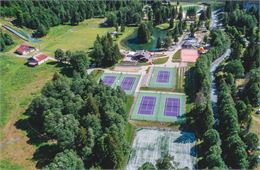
x: 201, y: 50
x: 189, y: 55
x: 40, y: 57
x: 23, y: 48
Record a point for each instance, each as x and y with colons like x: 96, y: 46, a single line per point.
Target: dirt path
x: 14, y: 146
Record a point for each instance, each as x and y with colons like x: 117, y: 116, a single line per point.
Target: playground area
x: 162, y: 77
x: 158, y: 106
x: 151, y: 144
x: 127, y: 82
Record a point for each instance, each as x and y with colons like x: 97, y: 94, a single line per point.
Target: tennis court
x: 162, y: 77
x: 151, y: 144
x: 159, y: 106
x: 110, y: 79
x: 127, y: 82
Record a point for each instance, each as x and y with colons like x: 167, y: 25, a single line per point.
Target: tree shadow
x: 185, y: 138
x: 32, y: 132
x: 45, y: 154
x: 45, y: 151
x: 65, y: 69
x: 188, y: 85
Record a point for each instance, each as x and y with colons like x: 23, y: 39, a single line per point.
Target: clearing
x: 67, y: 37
x: 19, y: 85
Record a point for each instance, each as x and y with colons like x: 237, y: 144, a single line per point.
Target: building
x: 37, y: 59
x: 201, y: 50
x: 24, y: 49
x: 190, y: 42
x: 189, y: 55
x: 142, y: 56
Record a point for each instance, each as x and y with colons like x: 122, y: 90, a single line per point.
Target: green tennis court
x: 111, y: 79
x: 163, y: 77
x: 159, y: 106
x: 127, y: 82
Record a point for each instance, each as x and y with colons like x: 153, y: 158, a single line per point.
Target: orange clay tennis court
x: 189, y: 55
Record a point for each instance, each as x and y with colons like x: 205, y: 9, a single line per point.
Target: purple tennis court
x: 172, y: 107
x: 127, y: 83
x: 147, y: 105
x: 163, y: 77
x: 109, y: 80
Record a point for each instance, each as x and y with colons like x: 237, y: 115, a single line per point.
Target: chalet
x: 190, y: 43
x: 37, y: 59
x: 24, y: 49
x: 142, y: 56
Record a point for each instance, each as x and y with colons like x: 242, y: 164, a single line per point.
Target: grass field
x: 20, y: 83
x: 160, y: 60
x: 73, y: 38
x: 255, y: 124
x: 6, y: 165
x: 129, y: 129
x: 97, y: 74
x: 128, y: 31
x: 177, y: 56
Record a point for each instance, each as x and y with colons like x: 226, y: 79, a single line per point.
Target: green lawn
x: 97, y: 74
x: 7, y: 165
x: 163, y: 26
x: 129, y: 129
x: 20, y: 84
x: 160, y: 60
x: 129, y: 102
x: 177, y: 56
x: 67, y: 37
x: 128, y: 31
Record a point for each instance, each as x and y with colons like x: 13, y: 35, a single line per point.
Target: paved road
x: 214, y: 95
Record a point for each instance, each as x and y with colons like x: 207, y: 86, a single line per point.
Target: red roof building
x: 189, y: 55
x: 24, y: 49
x: 37, y: 59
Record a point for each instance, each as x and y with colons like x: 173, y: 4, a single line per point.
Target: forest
x: 5, y: 40
x: 228, y: 143
x: 41, y: 15
x: 85, y: 119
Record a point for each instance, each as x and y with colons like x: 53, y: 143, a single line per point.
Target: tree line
x: 86, y: 121
x: 105, y: 53
x: 245, y: 21
x: 5, y: 40
x: 130, y: 14
x: 235, y: 104
x: 201, y: 117
x: 41, y: 15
